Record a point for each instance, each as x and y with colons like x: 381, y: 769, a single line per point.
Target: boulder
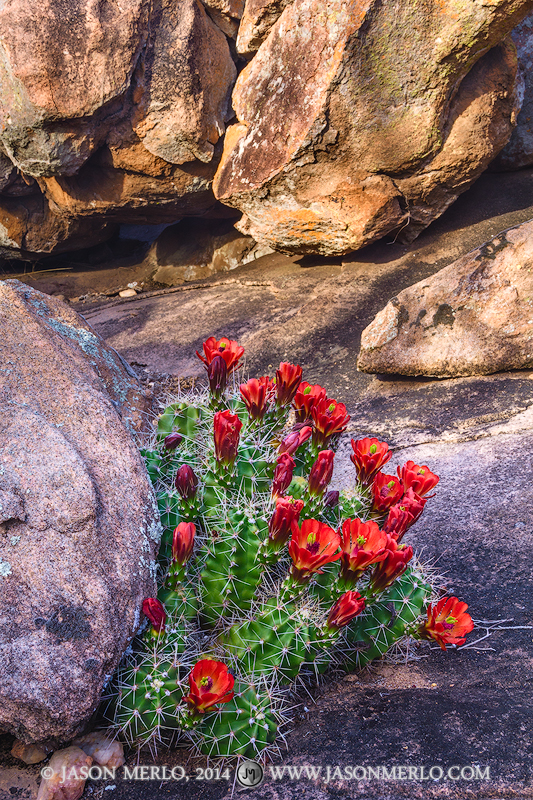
x: 226, y: 14
x: 257, y: 19
x: 363, y: 118
x: 518, y: 152
x: 79, y: 526
x: 474, y: 317
x: 195, y: 249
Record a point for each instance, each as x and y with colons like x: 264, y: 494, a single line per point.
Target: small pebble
x: 127, y: 293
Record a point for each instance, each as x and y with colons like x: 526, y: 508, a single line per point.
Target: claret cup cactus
x: 267, y: 575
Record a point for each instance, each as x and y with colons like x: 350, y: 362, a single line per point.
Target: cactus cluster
x: 267, y: 576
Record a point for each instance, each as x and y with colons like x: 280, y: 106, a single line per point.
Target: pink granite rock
x: 78, y: 523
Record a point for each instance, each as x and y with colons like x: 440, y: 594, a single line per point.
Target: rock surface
x: 474, y: 317
x: 257, y: 19
x: 79, y: 522
x: 518, y: 152
x: 400, y: 109
x: 195, y: 249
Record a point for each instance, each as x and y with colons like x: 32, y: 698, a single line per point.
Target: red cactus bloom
x: 447, y: 622
x: 256, y: 395
x: 210, y: 683
x: 347, y: 607
x: 230, y: 351
x: 282, y: 474
x: 369, y: 456
x: 172, y: 440
x: 321, y: 473
x: 305, y: 398
x: 183, y: 542
x: 287, y: 511
x: 217, y: 375
x: 311, y: 547
x: 329, y: 418
x: 292, y: 441
x: 386, y: 492
x: 186, y: 482
x: 420, y: 479
x: 227, y: 427
x: 362, y: 544
x: 393, y: 565
x: 403, y: 515
x: 155, y: 611
x: 288, y: 378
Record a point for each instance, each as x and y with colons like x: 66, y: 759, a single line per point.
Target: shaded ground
x: 470, y: 708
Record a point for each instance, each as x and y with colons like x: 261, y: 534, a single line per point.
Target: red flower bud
x: 362, y: 544
x: 172, y: 441
x: 256, y: 395
x: 347, y: 607
x: 282, y: 474
x: 292, y: 442
x: 305, y: 398
x: 447, y: 622
x: 369, y: 456
x: 386, y: 492
x: 279, y: 528
x: 321, y: 473
x: 311, y: 547
x: 227, y: 427
x: 393, y: 565
x: 230, y: 351
x: 331, y: 499
x: 420, y: 479
x: 288, y: 378
x: 217, y: 375
x: 183, y: 542
x: 404, y: 514
x: 329, y: 418
x: 186, y: 482
x: 210, y: 683
x: 155, y: 611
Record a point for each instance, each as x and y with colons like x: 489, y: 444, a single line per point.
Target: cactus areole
x: 265, y: 575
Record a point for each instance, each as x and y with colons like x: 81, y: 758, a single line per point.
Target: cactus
x: 266, y: 576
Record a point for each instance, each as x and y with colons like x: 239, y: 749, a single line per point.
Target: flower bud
x: 288, y: 378
x: 321, y: 473
x: 331, y: 499
x: 227, y: 427
x: 183, y: 542
x: 282, y: 474
x: 172, y: 440
x: 155, y: 611
x: 279, y: 528
x: 347, y: 607
x: 292, y: 442
x: 186, y: 482
x: 217, y: 374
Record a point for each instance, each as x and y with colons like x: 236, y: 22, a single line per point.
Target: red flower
x: 256, y: 394
x: 186, y: 482
x: 311, y: 547
x: 347, y: 607
x: 420, y: 479
x: 183, y: 542
x: 172, y: 441
x: 369, y: 456
x: 404, y: 514
x: 155, y: 611
x: 279, y: 528
x: 292, y: 442
x: 227, y: 427
x: 329, y: 418
x: 305, y: 398
x: 230, y: 351
x: 393, y: 565
x: 321, y: 473
x: 288, y: 378
x: 362, y: 544
x: 282, y: 474
x: 217, y: 375
x: 447, y: 622
x: 210, y: 683
x: 386, y: 492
